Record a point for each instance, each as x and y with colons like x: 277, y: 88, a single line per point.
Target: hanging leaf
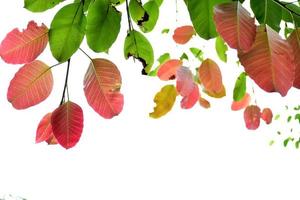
x: 137, y: 45
x: 267, y: 115
x: 102, y: 83
x: 164, y: 100
x: 243, y: 103
x: 31, y: 85
x: 204, y: 103
x: 167, y: 71
x: 210, y: 76
x: 240, y: 87
x: 269, y: 62
x: 183, y: 34
x: 152, y: 9
x: 184, y: 81
x: 294, y: 41
x: 190, y: 100
x: 103, y: 25
x: 235, y: 25
x: 137, y: 12
x: 67, y: 31
x: 221, y: 49
x: 218, y: 95
x: 184, y: 56
x: 40, y: 5
x: 267, y: 12
x: 67, y: 124
x: 44, y: 130
x: 202, y: 18
x: 197, y: 53
x: 24, y: 47
x: 252, y: 117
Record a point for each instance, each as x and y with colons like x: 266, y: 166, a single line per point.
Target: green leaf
x: 184, y: 56
x: 297, y: 144
x: 40, y: 5
x: 289, y: 118
x: 297, y: 117
x: 297, y: 107
x: 117, y: 2
x: 197, y: 53
x: 288, y: 16
x: 271, y: 142
x: 86, y: 5
x: 137, y: 11
x: 277, y: 117
x: 240, y: 87
x: 152, y: 10
x: 159, y: 2
x: 166, y: 30
x: 67, y: 31
x: 103, y: 25
x: 267, y: 12
x: 221, y: 49
x: 137, y: 45
x: 287, y: 140
x: 201, y: 14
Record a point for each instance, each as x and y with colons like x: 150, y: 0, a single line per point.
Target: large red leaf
x: 24, y: 47
x: 210, y: 76
x: 235, y: 25
x: 267, y: 115
x: 102, y: 83
x: 243, y: 103
x: 167, y: 71
x: 44, y: 130
x: 252, y: 117
x: 67, y: 124
x: 189, y: 101
x: 31, y: 85
x: 294, y: 41
x: 183, y: 34
x: 270, y: 61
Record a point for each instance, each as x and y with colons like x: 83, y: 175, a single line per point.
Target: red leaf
x: 267, y: 115
x: 44, y: 130
x: 235, y: 25
x: 294, y: 41
x: 189, y: 101
x: 252, y: 117
x: 67, y: 124
x: 24, y: 47
x: 167, y: 71
x: 183, y: 34
x: 210, y: 76
x: 204, y: 103
x: 102, y: 83
x: 184, y: 82
x: 269, y: 62
x: 31, y: 85
x: 243, y: 103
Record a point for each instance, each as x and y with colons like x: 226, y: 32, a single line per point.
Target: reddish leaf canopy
x: 243, y: 103
x: 31, y: 85
x: 269, y: 62
x: 24, y: 47
x: 252, y: 117
x: 102, y: 83
x: 294, y: 41
x: 67, y: 124
x: 44, y: 130
x: 167, y: 71
x: 235, y: 25
x: 267, y: 115
x: 183, y: 34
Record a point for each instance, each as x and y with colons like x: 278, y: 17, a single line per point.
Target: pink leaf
x: 243, y: 103
x: 167, y: 71
x: 189, y: 101
x: 24, y: 47
x: 184, y: 82
x: 67, y: 124
x: 102, y: 83
x: 31, y: 85
x: 267, y: 115
x: 252, y: 117
x: 235, y: 25
x: 44, y: 130
x: 183, y: 34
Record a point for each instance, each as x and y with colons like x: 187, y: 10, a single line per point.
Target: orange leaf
x: 243, y: 103
x: 31, y: 85
x: 67, y: 124
x: 269, y: 62
x: 219, y: 94
x: 252, y: 117
x: 235, y: 25
x: 24, y: 47
x: 44, y: 130
x: 183, y: 34
x: 102, y: 83
x: 210, y: 76
x: 167, y: 71
x: 267, y: 115
x: 204, y: 103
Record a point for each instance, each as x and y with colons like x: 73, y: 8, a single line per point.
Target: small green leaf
x: 271, y: 142
x: 103, y: 25
x: 240, y: 87
x: 297, y: 107
x: 184, y: 56
x: 67, y: 31
x: 297, y: 117
x: 137, y: 45
x: 289, y: 118
x: 221, y: 49
x: 297, y: 144
x: 277, y: 117
x: 197, y: 53
x: 40, y: 5
x: 166, y: 30
x: 287, y: 140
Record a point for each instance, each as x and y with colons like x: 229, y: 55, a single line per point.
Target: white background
x: 188, y: 154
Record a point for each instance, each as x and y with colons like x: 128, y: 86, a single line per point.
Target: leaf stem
x: 85, y: 53
x: 66, y: 84
x: 56, y: 65
x: 128, y: 17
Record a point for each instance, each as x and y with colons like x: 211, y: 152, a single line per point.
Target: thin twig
x: 66, y: 83
x: 85, y: 53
